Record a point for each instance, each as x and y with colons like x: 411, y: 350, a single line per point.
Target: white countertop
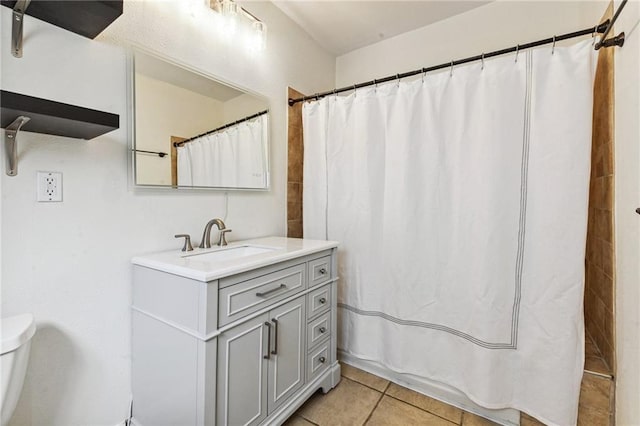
x: 189, y: 265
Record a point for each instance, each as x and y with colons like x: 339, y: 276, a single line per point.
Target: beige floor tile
x: 469, y: 419
x: 297, y: 421
x: 596, y: 364
x: 595, y: 393
x: 348, y: 404
x: 526, y: 420
x: 360, y: 376
x: 391, y: 412
x: 426, y: 403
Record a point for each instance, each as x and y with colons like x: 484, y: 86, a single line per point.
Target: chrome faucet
x: 206, y: 236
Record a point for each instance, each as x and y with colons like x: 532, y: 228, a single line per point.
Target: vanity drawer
x: 318, y: 360
x: 246, y: 297
x: 318, y: 330
x: 319, y: 270
x: 319, y: 301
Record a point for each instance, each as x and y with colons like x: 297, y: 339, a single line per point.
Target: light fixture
x: 258, y: 36
x: 230, y: 9
x: 232, y: 12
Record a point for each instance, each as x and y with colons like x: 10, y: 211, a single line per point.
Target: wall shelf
x: 85, y: 17
x: 31, y: 114
x: 55, y: 118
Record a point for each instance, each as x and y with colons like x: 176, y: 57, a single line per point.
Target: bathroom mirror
x: 191, y: 130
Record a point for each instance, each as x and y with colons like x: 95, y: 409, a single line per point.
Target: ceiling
x: 343, y: 26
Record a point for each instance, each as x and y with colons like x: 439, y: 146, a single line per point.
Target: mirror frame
x: 131, y: 122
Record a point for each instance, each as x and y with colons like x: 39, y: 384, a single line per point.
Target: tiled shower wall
x: 599, y: 294
x: 294, y: 173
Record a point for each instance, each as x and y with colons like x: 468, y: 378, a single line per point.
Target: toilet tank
x: 15, y: 341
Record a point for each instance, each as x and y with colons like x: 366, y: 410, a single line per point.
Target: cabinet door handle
x: 268, y: 325
x: 322, y: 359
x: 322, y: 271
x: 268, y: 292
x: 275, y: 337
x: 322, y: 330
x: 322, y: 300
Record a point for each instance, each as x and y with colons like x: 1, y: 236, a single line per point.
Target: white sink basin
x: 241, y: 256
x: 230, y: 253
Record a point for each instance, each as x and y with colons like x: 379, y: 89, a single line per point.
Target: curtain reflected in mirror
x: 232, y: 157
x: 192, y: 131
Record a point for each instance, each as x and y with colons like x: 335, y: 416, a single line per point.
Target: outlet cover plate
x: 49, y: 188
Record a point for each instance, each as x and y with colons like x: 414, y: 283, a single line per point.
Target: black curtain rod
x: 617, y: 40
x: 250, y: 117
x: 601, y: 28
x: 159, y: 154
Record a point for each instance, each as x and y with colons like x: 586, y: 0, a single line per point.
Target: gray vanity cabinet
x: 264, y: 364
x: 286, y: 366
x: 242, y: 392
x: 244, y: 347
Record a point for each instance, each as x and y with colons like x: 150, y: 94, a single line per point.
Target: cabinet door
x: 286, y: 366
x: 242, y: 373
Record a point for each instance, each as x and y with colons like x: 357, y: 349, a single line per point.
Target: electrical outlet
x: 49, y: 186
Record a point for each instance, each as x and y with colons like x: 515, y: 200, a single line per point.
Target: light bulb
x: 230, y: 14
x: 230, y: 9
x: 258, y: 41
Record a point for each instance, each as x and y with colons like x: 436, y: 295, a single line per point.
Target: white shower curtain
x: 460, y: 201
x: 231, y: 158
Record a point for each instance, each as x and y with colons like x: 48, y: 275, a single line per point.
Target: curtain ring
x: 317, y: 96
x: 354, y: 90
x: 398, y: 79
x: 517, y: 50
x: 424, y: 74
x: 553, y: 48
x: 451, y: 70
x: 335, y: 93
x: 482, y: 61
x: 375, y: 84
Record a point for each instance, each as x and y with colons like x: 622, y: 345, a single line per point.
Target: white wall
x: 164, y: 110
x: 241, y: 107
x: 627, y: 222
x: 68, y: 262
x: 494, y: 26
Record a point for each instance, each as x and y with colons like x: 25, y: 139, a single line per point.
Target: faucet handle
x: 223, y: 239
x: 187, y: 241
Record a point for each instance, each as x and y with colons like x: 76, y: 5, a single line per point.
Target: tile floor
x: 362, y: 398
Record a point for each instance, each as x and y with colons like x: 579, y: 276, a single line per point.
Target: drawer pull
x: 322, y: 330
x: 275, y: 339
x: 322, y: 271
x: 322, y: 359
x: 268, y: 325
x: 322, y: 300
x: 268, y: 292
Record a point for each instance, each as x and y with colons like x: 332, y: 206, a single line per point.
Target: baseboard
x: 433, y: 389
